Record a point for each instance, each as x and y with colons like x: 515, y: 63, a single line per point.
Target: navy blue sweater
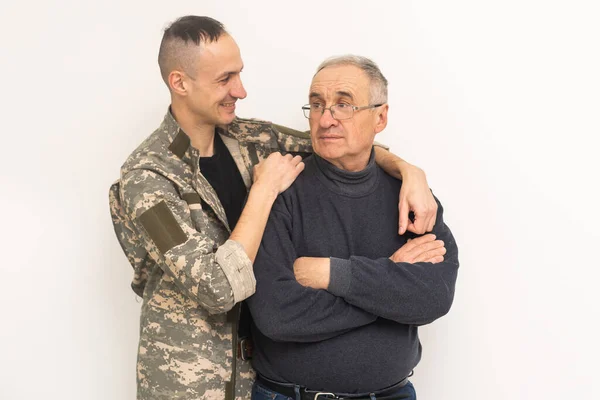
x: 361, y: 334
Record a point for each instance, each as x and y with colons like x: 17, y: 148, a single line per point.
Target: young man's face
x: 217, y: 85
x: 345, y: 143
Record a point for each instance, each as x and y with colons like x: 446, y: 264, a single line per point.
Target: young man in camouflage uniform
x: 190, y: 209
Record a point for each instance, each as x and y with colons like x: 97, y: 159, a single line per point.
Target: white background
x: 498, y: 101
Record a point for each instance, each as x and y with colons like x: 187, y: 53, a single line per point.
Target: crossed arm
x: 362, y: 291
x: 413, y: 286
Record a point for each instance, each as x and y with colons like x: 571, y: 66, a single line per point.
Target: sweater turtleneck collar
x: 352, y: 184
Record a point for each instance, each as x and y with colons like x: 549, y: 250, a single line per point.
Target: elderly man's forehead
x: 343, y: 80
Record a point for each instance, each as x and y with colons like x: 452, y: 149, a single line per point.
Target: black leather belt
x: 306, y: 394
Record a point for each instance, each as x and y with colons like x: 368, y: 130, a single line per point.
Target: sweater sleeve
x: 415, y: 294
x: 284, y: 310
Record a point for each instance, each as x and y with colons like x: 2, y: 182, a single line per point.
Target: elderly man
x: 190, y: 210
x: 339, y: 292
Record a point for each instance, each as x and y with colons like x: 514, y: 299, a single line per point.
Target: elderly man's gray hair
x: 379, y: 83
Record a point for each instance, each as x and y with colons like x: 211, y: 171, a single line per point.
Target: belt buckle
x: 333, y: 396
x: 244, y: 351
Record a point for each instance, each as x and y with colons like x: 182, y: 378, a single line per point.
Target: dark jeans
x: 259, y: 392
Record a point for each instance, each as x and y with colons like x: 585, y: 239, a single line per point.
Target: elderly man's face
x: 344, y: 143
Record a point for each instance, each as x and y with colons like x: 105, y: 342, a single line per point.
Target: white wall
x: 498, y: 101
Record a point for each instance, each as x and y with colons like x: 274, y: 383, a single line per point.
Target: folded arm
x: 414, y: 293
x: 284, y: 310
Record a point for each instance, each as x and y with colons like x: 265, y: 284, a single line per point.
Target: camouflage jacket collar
x: 178, y: 141
x: 241, y: 137
x: 241, y: 129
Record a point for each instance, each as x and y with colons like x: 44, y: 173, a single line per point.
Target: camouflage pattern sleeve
x: 216, y: 277
x: 291, y: 140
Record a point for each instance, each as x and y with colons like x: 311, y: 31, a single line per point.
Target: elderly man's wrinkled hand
x: 312, y: 272
x: 421, y: 249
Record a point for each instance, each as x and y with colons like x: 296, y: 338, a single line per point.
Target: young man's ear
x: 177, y: 82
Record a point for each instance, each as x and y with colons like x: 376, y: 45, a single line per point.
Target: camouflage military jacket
x: 173, y: 229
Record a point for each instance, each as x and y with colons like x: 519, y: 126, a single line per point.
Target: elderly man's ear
x: 381, y: 116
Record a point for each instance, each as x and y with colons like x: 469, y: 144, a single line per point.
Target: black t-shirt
x: 222, y: 173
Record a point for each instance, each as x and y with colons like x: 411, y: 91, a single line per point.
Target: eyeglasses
x: 338, y: 111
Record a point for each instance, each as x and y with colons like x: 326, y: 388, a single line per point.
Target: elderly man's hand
x: 312, y: 272
x: 421, y: 249
x: 416, y: 196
